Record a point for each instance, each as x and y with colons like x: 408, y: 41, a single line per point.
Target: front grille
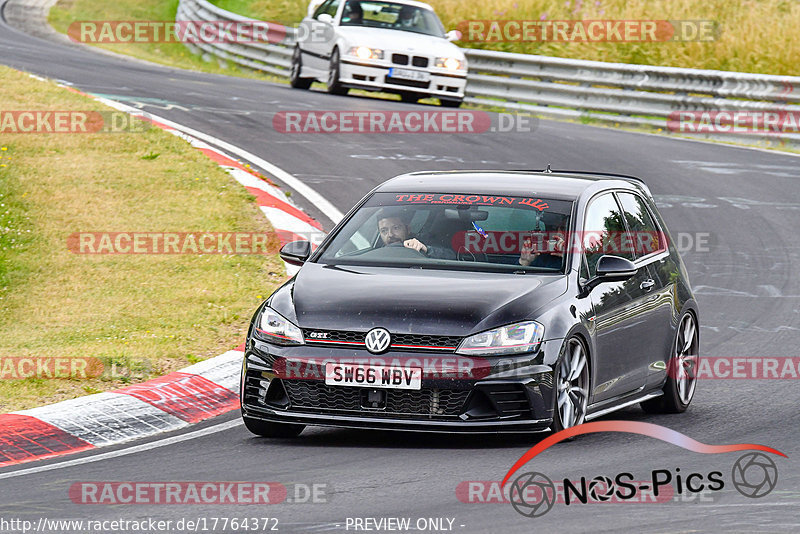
x: 428, y: 402
x: 405, y: 342
x: 420, y: 61
x: 400, y: 59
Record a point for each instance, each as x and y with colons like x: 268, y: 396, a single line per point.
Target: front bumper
x: 509, y: 394
x: 376, y: 78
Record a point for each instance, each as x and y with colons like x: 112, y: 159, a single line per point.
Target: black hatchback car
x: 477, y: 301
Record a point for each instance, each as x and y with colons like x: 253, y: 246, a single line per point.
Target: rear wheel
x: 334, y: 85
x: 297, y: 68
x: 681, y: 370
x: 572, y: 386
x: 268, y: 429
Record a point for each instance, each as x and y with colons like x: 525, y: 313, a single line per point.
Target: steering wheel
x: 467, y: 255
x: 399, y: 245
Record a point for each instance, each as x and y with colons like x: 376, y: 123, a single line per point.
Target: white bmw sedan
x: 395, y: 46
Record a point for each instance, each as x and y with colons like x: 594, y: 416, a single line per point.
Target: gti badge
x: 377, y: 340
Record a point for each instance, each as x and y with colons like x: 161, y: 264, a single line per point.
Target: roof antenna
x: 548, y: 170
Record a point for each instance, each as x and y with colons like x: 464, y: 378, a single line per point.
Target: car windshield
x: 393, y: 16
x: 464, y: 231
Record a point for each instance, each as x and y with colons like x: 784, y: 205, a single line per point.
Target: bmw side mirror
x: 325, y: 18
x: 296, y: 252
x: 610, y: 269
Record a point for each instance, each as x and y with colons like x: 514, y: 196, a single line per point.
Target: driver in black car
x: 395, y: 231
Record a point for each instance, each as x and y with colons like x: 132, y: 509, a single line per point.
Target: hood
x: 417, y: 301
x: 400, y: 41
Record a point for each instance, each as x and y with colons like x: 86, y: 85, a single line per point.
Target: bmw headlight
x: 363, y: 52
x: 511, y: 339
x: 449, y: 63
x: 275, y: 328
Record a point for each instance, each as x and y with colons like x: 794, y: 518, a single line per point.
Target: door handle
x: 647, y: 285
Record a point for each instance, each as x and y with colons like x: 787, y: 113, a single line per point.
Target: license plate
x: 413, y: 75
x: 373, y: 376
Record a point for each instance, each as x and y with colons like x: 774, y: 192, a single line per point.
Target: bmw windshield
x: 393, y: 16
x: 464, y: 231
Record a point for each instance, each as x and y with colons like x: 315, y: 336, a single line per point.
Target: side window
x: 604, y: 232
x: 647, y: 239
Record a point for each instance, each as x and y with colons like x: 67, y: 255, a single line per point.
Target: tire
x: 297, y: 67
x: 572, y: 381
x: 681, y: 370
x: 268, y: 429
x: 409, y: 98
x: 445, y: 103
x: 334, y: 85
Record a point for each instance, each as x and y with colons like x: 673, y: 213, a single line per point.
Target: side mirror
x: 296, y: 252
x: 610, y: 269
x: 325, y: 18
x: 453, y: 35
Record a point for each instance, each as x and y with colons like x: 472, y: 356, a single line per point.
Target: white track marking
x: 124, y: 452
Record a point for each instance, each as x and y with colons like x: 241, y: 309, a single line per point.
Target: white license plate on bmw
x: 407, y: 74
x: 373, y: 376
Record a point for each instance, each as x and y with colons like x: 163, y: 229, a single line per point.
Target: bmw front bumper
x: 376, y: 78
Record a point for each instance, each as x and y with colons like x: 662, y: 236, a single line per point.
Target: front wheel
x: 681, y: 370
x: 572, y: 386
x: 297, y: 68
x: 334, y: 85
x: 268, y: 429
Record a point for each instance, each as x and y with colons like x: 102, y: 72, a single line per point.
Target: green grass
x: 171, y: 54
x: 759, y: 36
x: 143, y: 315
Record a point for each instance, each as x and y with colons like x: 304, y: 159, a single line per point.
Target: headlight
x: 362, y: 52
x: 511, y: 339
x: 449, y: 63
x: 277, y: 329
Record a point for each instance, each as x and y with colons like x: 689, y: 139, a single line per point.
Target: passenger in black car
x: 551, y: 258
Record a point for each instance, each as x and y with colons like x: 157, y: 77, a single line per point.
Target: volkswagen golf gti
x: 477, y: 301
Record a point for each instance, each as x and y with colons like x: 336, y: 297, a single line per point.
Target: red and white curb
x: 173, y: 401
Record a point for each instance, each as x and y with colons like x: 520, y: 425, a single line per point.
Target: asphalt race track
x: 747, y: 201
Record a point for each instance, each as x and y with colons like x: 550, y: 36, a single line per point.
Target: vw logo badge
x: 377, y: 340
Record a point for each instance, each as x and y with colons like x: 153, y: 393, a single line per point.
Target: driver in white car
x: 406, y: 17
